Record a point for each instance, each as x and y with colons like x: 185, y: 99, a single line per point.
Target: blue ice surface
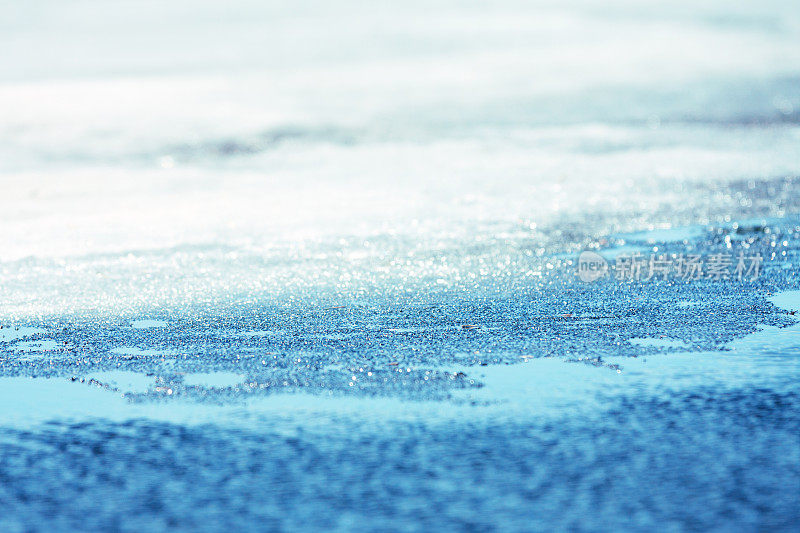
x: 500, y: 413
x: 307, y: 266
x: 659, y: 343
x: 133, y: 350
x: 148, y: 323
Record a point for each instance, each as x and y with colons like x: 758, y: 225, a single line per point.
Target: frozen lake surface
x: 314, y: 266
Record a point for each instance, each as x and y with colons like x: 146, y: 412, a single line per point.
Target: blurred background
x: 171, y: 152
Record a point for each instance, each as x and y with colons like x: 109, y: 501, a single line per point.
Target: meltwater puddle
x: 768, y: 358
x: 124, y: 381
x: 213, y: 380
x: 29, y: 349
x: 665, y: 235
x: 10, y: 334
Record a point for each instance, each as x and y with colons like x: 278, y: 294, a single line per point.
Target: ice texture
x: 311, y: 266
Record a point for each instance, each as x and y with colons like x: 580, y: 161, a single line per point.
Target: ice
x: 323, y: 253
x: 213, y: 379
x: 123, y: 381
x: 36, y: 346
x: 545, y: 387
x: 659, y: 343
x: 8, y: 334
x: 142, y: 324
x: 133, y: 350
x: 685, y: 234
x: 789, y: 300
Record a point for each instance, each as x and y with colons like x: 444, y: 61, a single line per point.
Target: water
x: 312, y: 266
